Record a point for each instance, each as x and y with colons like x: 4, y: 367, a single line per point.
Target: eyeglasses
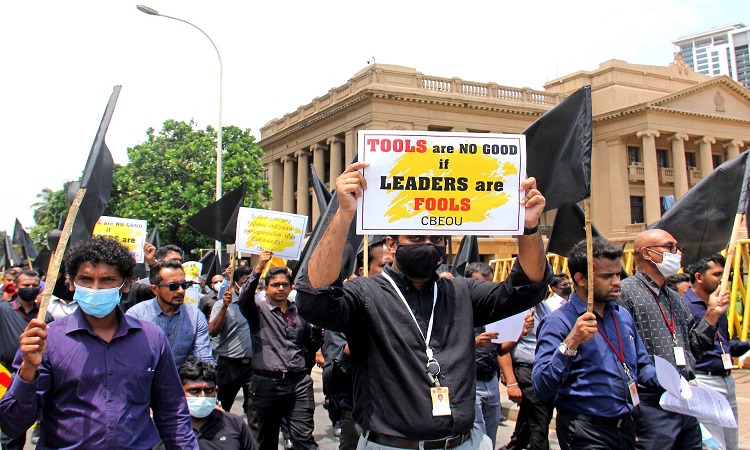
x: 673, y: 248
x: 280, y: 285
x: 563, y: 285
x: 195, y: 392
x: 173, y: 286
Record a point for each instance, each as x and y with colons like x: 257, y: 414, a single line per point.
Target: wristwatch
x: 565, y: 350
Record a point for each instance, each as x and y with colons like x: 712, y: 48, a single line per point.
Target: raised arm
x: 325, y: 262
x: 531, y: 254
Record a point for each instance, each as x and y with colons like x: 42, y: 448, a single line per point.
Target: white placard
x: 131, y: 233
x: 280, y: 232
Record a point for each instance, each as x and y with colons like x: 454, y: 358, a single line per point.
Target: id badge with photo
x: 633, y: 388
x: 726, y: 358
x: 441, y: 402
x: 679, y: 356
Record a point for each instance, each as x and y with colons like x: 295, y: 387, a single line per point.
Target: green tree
x: 47, y: 210
x: 172, y: 176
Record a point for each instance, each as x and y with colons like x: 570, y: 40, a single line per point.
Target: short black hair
x: 673, y: 280
x: 273, y: 271
x: 241, y: 272
x: 701, y: 266
x: 163, y: 250
x: 99, y: 250
x: 577, y: 258
x: 155, y: 274
x: 483, y: 269
x: 192, y: 370
x: 27, y: 273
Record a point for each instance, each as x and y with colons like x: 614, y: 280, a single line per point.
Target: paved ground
x: 327, y: 441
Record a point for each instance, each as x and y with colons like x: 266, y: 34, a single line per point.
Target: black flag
x: 96, y: 178
x: 154, y: 238
x: 468, y: 252
x: 322, y: 195
x: 219, y: 219
x: 22, y: 239
x: 702, y: 219
x: 558, y: 150
x: 10, y: 258
x: 568, y: 229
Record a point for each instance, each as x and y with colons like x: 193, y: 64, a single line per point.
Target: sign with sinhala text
x: 280, y: 232
x: 129, y: 232
x: 422, y: 182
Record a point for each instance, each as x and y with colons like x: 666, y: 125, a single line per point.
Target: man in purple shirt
x: 95, y: 374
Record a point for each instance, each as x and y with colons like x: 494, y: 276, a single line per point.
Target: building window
x: 690, y: 160
x: 634, y: 155
x: 717, y: 160
x: 438, y: 128
x: 662, y: 160
x: 265, y: 175
x: 636, y: 210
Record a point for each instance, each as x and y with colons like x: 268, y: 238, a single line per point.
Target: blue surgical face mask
x: 97, y: 302
x: 201, y: 407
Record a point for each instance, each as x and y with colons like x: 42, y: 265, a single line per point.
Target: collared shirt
x: 281, y: 341
x: 523, y: 352
x: 13, y: 320
x: 223, y: 431
x: 186, y: 329
x: 59, y: 308
x: 486, y: 357
x: 235, y: 340
x: 711, y: 361
x: 593, y: 382
x: 637, y: 296
x: 555, y: 302
x: 95, y: 394
x: 391, y: 386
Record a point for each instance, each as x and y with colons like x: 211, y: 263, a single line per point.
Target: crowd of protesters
x: 407, y: 362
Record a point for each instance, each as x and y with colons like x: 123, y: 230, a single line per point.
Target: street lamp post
x: 153, y: 12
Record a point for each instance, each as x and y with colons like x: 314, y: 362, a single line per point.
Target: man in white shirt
x: 561, y: 291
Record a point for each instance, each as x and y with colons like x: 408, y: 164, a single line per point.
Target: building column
x: 733, y: 148
x: 650, y: 175
x: 350, y: 145
x: 319, y: 160
x: 616, y: 181
x: 707, y: 162
x: 336, y: 146
x: 303, y: 181
x: 276, y: 183
x: 288, y: 203
x: 680, y: 166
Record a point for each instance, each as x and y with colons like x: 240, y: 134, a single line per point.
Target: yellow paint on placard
x: 120, y: 232
x: 191, y: 271
x: 271, y: 233
x: 471, y: 204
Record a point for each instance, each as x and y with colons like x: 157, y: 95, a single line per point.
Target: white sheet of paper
x: 705, y: 404
x: 508, y: 329
x: 670, y: 379
x: 744, y: 357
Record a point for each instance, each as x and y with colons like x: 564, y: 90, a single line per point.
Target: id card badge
x: 441, y: 402
x: 679, y: 356
x: 634, y: 393
x: 726, y: 358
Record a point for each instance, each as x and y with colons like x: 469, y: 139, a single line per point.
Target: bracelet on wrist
x: 511, y: 385
x: 529, y: 231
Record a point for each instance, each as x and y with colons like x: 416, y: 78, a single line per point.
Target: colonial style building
x: 657, y: 131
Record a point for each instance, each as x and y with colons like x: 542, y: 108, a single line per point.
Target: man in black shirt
x: 411, y: 333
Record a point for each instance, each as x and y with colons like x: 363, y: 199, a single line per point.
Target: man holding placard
x: 410, y: 332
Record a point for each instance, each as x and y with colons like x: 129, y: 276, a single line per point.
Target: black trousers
x: 231, y: 376
x: 274, y: 398
x: 577, y: 434
x: 534, y: 415
x: 664, y: 430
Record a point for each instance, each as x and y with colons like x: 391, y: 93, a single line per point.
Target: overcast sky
x: 60, y: 61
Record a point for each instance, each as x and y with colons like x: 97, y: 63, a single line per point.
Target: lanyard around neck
x: 619, y: 353
x: 432, y: 314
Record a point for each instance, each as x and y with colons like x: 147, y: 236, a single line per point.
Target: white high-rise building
x: 720, y: 51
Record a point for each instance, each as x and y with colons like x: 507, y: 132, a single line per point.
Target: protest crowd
x: 112, y: 355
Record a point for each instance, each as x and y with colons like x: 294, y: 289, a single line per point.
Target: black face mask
x: 420, y: 260
x: 28, y: 294
x: 567, y: 291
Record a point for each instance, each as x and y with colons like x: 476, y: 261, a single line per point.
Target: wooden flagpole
x: 589, y: 255
x: 53, y: 270
x: 365, y: 256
